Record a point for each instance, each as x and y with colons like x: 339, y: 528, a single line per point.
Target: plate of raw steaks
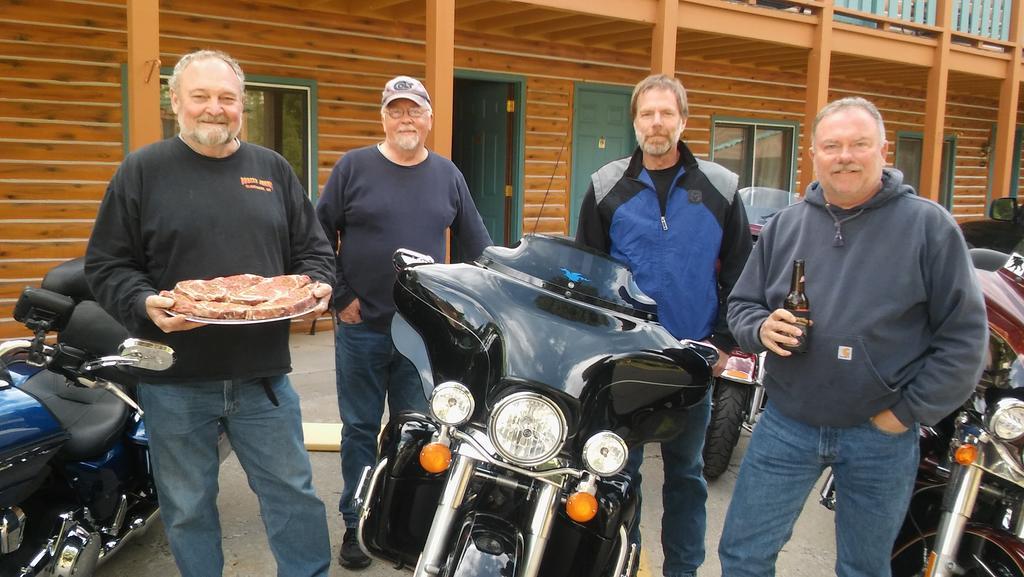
x: 243, y: 298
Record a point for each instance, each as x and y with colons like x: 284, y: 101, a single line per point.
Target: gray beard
x: 212, y: 136
x: 407, y: 143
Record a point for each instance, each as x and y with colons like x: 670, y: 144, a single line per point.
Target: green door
x: 481, y: 149
x: 602, y: 132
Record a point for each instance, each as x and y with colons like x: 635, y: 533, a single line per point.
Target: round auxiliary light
x: 451, y: 403
x: 605, y: 454
x: 1007, y: 422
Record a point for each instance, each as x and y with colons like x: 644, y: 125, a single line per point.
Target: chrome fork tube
x: 432, y: 557
x: 756, y: 397
x: 965, y: 484
x: 539, y: 530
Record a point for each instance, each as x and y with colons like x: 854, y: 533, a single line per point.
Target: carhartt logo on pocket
x: 845, y: 353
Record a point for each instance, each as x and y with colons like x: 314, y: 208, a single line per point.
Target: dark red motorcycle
x: 966, y: 516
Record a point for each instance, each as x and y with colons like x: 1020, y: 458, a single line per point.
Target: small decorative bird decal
x: 574, y: 276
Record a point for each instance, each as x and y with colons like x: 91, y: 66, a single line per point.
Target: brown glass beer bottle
x: 796, y: 302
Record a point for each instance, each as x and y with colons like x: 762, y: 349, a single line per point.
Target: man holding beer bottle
x: 898, y: 334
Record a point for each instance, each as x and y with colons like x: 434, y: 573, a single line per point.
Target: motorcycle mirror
x: 147, y: 354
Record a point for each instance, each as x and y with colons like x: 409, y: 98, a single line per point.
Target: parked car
x: 1001, y: 231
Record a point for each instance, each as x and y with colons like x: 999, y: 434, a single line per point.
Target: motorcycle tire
x: 979, y: 555
x: 728, y: 409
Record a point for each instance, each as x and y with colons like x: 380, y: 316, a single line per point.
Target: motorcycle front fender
x: 1009, y: 543
x: 486, y: 545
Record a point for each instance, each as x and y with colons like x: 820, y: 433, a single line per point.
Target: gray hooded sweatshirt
x: 899, y: 320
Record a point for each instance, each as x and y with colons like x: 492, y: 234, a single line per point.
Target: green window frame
x: 1018, y: 136
x: 909, y: 155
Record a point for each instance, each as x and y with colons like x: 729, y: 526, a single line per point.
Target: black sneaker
x: 351, y: 556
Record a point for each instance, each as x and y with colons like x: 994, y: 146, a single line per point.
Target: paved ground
x: 809, y: 554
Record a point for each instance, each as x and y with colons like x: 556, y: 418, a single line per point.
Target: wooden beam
x: 440, y: 48
x: 733, y: 19
x: 935, y: 105
x: 963, y: 59
x: 373, y: 5
x: 488, y: 10
x: 1006, y: 120
x: 633, y: 10
x: 514, y: 20
x: 663, y: 40
x: 143, y: 73
x: 818, y: 69
x: 557, y: 24
x: 630, y: 39
x: 883, y: 45
x: 617, y: 30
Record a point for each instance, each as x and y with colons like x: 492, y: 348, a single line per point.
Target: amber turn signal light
x: 581, y: 507
x: 435, y: 458
x: 966, y: 454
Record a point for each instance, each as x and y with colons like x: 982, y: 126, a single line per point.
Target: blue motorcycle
x: 75, y: 478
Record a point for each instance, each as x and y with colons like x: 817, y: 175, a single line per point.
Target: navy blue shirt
x: 371, y: 207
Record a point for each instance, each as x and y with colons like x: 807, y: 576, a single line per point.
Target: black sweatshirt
x: 171, y: 214
x: 376, y: 206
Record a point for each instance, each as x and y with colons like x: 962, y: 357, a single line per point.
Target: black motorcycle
x: 543, y: 365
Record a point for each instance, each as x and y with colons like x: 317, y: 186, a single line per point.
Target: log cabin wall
x: 61, y: 132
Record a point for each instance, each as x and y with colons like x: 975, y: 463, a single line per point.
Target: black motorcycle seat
x: 94, y: 418
x: 68, y: 278
x: 92, y: 329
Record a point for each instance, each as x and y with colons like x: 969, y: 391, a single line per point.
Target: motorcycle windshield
x: 544, y: 315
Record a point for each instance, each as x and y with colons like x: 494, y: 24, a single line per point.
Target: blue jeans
x: 182, y: 420
x: 684, y: 493
x: 874, y: 477
x: 368, y: 368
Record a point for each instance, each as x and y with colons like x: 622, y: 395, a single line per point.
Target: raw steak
x: 243, y: 297
x: 218, y: 289
x: 291, y: 303
x: 268, y: 289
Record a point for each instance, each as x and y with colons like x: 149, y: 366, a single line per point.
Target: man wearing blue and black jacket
x: 680, y: 227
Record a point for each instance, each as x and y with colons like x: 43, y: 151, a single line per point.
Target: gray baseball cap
x: 405, y: 87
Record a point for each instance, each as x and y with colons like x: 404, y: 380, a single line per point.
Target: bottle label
x: 803, y: 321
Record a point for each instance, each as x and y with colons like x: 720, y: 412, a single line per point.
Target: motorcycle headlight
x: 451, y: 403
x: 1007, y: 422
x: 527, y: 428
x: 605, y: 454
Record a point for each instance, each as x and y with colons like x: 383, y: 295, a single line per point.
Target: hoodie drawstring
x: 838, y: 239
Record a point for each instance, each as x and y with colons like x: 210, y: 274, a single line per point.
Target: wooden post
x: 143, y: 115
x: 441, y: 72
x: 935, y: 105
x: 819, y: 63
x: 663, y: 39
x: 1006, y: 122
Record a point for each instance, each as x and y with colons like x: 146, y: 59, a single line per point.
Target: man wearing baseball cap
x: 394, y: 194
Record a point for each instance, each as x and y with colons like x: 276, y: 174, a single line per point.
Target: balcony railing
x: 977, y: 22
x: 980, y: 23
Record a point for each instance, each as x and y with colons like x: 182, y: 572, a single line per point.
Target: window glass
x: 909, y: 158
x: 276, y: 117
x: 761, y: 154
x: 730, y: 150
x: 772, y: 157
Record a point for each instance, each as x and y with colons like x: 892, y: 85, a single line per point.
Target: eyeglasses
x: 415, y: 112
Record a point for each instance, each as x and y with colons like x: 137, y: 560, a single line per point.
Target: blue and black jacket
x: 685, y: 252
